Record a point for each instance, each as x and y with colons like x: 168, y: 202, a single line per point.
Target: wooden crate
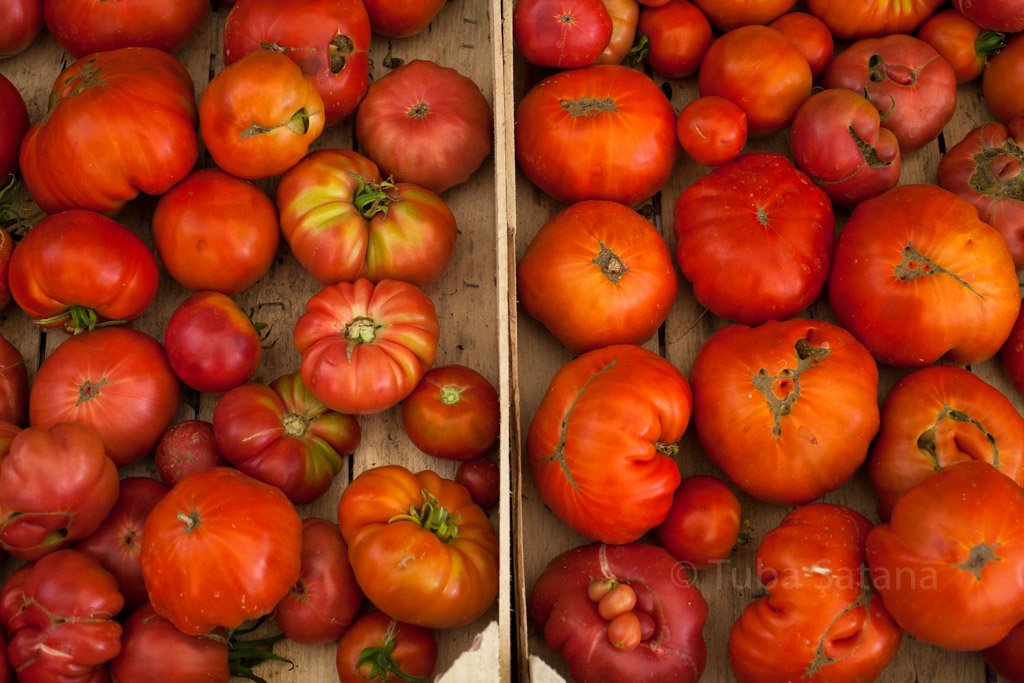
x: 471, y: 300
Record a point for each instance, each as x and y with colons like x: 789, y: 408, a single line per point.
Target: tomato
x: 211, y: 343
x: 786, y: 409
x: 328, y: 39
x: 402, y: 19
x: 482, y: 478
x: 729, y: 14
x: 961, y: 42
x: 624, y: 631
x: 83, y: 27
x: 936, y: 417
x: 215, y: 232
x: 425, y: 124
x: 624, y: 15
x: 917, y: 276
x: 119, y: 123
x: 324, y: 601
x: 838, y: 140
x: 259, y: 116
x: 913, y: 88
x: 365, y: 347
x: 115, y: 380
x: 821, y: 619
x: 601, y: 443
x: 153, y: 648
x: 678, y: 35
x: 618, y: 601
x: 852, y: 20
x: 13, y: 384
x: 191, y: 580
x: 379, y: 648
x: 343, y: 221
x: 421, y: 550
x: 14, y: 123
x: 600, y: 132
x: 56, y: 486
x: 810, y: 36
x: 761, y: 72
x: 950, y: 563
x: 564, y: 34
x: 672, y: 649
x: 1011, y: 355
x: 597, y: 274
x: 280, y: 434
x: 1002, y: 83
x: 703, y: 524
x: 115, y: 543
x: 1007, y: 656
x: 755, y: 238
x: 1007, y: 16
x: 453, y: 413
x: 59, y: 613
x: 712, y: 130
x: 185, y: 448
x: 6, y: 251
x: 20, y: 23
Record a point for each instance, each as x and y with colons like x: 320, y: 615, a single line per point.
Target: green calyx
x: 433, y: 517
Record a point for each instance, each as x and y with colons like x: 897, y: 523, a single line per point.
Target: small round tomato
x: 703, y: 524
x: 678, y: 35
x: 712, y: 130
x: 185, y: 448
x: 564, y: 34
x: 810, y: 35
x: 401, y: 19
x: 379, y: 648
x: 625, y: 632
x: 961, y: 42
x: 482, y: 478
x: 20, y: 23
x: 453, y: 413
x: 14, y: 123
x: 619, y: 600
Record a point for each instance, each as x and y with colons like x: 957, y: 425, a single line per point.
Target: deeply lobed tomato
x: 453, y: 413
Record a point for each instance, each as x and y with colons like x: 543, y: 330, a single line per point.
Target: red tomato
x: 119, y: 123
x: 389, y: 515
x: 328, y: 39
x: 259, y: 116
x: 703, y: 524
x: 379, y: 648
x: 912, y: 87
x: 14, y: 124
x: 1007, y: 656
x: 191, y: 580
x: 115, y: 380
x: 949, y: 564
x: 280, y: 434
x: 343, y: 221
x: 211, y: 343
x: 20, y: 23
x: 625, y: 632
x: 624, y: 14
x: 838, y: 140
x: 83, y: 27
x: 810, y: 36
x: 755, y: 238
x: 605, y: 430
x: 761, y: 72
x: 786, y: 409
x: 1005, y: 15
x: 185, y: 448
x: 1002, y: 83
x: 59, y: 613
x: 152, y: 648
x: 6, y: 251
x: 13, y: 384
x: 905, y: 283
x: 852, y: 20
x: 564, y: 34
x: 402, y: 19
x: 821, y: 620
x: 712, y: 130
x: 679, y: 35
x: 597, y: 274
x: 673, y: 649
x: 425, y: 124
x: 324, y: 601
x: 215, y: 232
x: 961, y: 42
x: 936, y: 417
x: 387, y: 342
x: 620, y: 600
x: 729, y: 14
x: 1011, y: 355
x: 482, y: 478
x: 600, y: 132
x: 115, y: 543
x: 453, y: 413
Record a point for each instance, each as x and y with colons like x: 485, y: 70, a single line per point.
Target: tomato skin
x: 14, y: 123
x: 426, y: 124
x: 582, y: 459
x: 769, y: 91
x: 729, y: 14
x: 87, y: 114
x: 598, y: 273
x: 328, y: 39
x: 414, y: 651
x: 786, y: 409
x: 1002, y: 83
x: 938, y: 416
x: 453, y: 581
x: 20, y: 23
x: 712, y: 130
x: 613, y: 139
x: 959, y: 41
x: 13, y: 384
x: 624, y: 14
x: 410, y: 238
x: 563, y: 34
x: 679, y: 36
x: 190, y: 580
x: 153, y: 647
x: 482, y: 478
x: 810, y: 36
x: 674, y: 650
x: 402, y: 19
x: 1007, y: 656
x: 905, y: 285
x: 1006, y: 16
x: 703, y: 524
x: 185, y: 448
x: 854, y: 20
x: 83, y: 28
x: 282, y: 435
x: 957, y: 542
x: 388, y: 342
x: 215, y: 232
x: 259, y: 116
x: 453, y: 413
x: 821, y: 620
x: 324, y: 601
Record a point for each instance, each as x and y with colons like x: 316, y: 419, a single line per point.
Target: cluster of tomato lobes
x: 915, y: 277
x: 368, y: 342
